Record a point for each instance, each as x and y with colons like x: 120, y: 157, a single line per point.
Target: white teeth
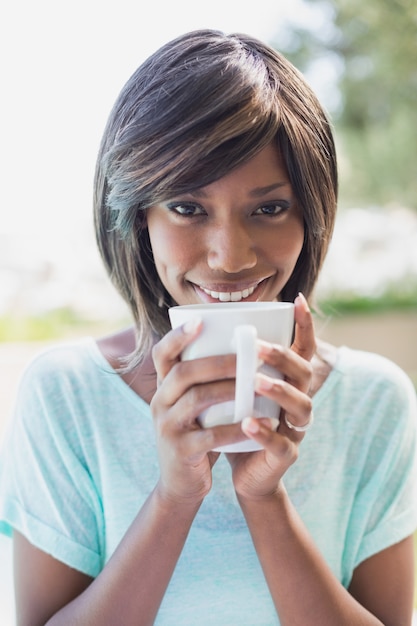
x: 229, y: 296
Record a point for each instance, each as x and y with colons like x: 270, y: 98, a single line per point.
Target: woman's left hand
x: 258, y: 474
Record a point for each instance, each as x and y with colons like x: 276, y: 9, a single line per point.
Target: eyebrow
x: 255, y: 193
x: 261, y: 191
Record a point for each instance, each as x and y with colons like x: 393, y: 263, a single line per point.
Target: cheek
x: 299, y: 242
x: 296, y: 238
x: 172, y: 251
x: 285, y: 248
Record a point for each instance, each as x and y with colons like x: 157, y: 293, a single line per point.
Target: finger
x: 303, y: 428
x: 280, y: 446
x: 304, y: 341
x: 219, y: 436
x: 291, y: 365
x: 197, y: 399
x: 168, y: 350
x: 200, y: 441
x: 195, y: 385
x: 296, y: 404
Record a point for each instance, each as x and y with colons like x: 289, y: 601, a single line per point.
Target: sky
x: 62, y: 66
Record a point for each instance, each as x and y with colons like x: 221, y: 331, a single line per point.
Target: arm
x: 49, y: 590
x: 302, y: 586
x: 384, y: 583
x: 131, y: 586
x: 304, y: 589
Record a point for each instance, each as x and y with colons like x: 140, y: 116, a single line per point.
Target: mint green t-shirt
x: 79, y: 460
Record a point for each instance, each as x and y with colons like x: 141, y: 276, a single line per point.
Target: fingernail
x: 269, y: 422
x: 264, y: 348
x: 250, y: 425
x: 301, y: 298
x: 192, y: 325
x: 262, y: 383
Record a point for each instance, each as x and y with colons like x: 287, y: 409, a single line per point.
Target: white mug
x: 234, y: 327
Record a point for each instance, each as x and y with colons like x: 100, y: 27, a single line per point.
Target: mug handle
x: 245, y: 337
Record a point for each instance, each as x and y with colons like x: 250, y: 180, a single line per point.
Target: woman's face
x: 237, y: 239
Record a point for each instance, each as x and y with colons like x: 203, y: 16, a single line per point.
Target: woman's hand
x: 185, y: 389
x: 258, y: 474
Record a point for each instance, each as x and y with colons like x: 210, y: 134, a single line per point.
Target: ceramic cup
x: 234, y: 328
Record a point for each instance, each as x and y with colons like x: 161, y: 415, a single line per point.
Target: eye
x: 186, y: 209
x: 273, y: 208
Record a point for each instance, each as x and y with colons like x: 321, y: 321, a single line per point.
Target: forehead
x: 263, y: 173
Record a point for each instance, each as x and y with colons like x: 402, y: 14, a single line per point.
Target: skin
x: 230, y: 236
x: 231, y: 240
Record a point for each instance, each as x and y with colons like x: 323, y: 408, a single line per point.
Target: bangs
x: 208, y: 124
x: 202, y: 105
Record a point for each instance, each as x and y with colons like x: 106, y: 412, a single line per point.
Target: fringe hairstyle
x: 200, y: 106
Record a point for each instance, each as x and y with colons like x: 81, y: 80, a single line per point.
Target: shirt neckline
x: 132, y: 396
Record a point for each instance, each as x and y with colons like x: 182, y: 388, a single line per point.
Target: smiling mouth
x: 229, y: 296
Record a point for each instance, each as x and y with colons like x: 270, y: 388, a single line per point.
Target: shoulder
x: 62, y: 376
x: 350, y: 371
x: 57, y: 361
x: 367, y: 369
x: 373, y: 393
x: 65, y: 395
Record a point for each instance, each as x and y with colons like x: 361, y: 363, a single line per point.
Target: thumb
x: 304, y: 339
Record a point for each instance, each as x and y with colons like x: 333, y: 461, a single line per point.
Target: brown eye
x: 274, y: 208
x: 186, y: 209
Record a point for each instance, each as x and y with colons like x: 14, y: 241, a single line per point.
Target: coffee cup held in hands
x: 234, y: 328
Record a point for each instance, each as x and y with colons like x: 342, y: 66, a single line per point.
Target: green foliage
x: 352, y: 303
x: 373, y: 46
x: 381, y: 165
x: 54, y: 324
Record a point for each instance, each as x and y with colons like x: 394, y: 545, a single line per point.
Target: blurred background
x: 62, y: 66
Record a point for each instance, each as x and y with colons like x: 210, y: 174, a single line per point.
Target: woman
x: 216, y: 180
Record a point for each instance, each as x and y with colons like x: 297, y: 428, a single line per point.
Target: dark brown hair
x: 200, y: 106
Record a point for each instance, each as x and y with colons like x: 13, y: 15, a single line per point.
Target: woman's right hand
x: 184, y: 390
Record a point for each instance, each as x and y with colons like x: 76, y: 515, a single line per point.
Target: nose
x: 231, y: 248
